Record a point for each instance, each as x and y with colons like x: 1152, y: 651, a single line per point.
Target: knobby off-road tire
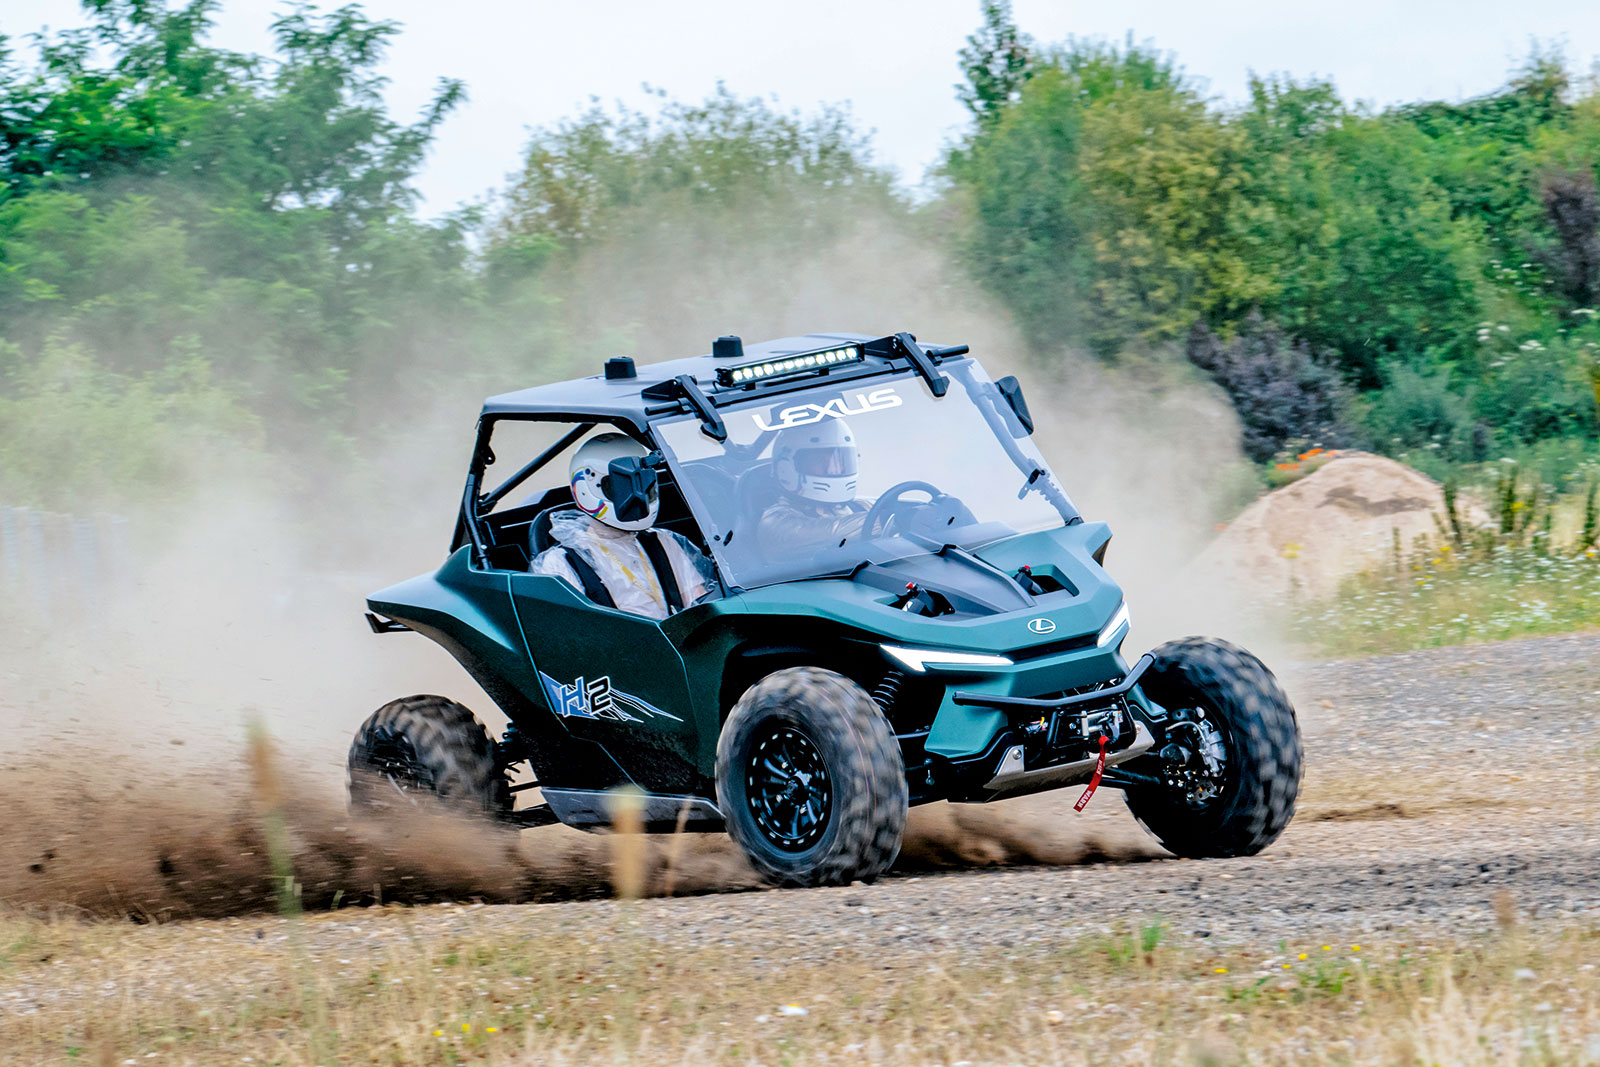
x: 426, y: 752
x: 808, y: 717
x: 1261, y: 771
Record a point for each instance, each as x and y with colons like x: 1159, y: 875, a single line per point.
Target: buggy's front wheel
x: 1229, y: 759
x: 810, y: 780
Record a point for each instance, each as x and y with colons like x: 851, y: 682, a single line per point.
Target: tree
x: 997, y: 61
x: 1101, y: 201
x: 584, y: 178
x: 165, y: 205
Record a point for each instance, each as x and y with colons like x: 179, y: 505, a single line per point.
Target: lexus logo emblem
x: 1042, y: 626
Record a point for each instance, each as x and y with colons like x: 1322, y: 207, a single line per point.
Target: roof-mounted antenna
x: 727, y: 347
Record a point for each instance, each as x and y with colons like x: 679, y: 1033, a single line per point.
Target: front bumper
x: 1029, y: 757
x: 1014, y: 778
x: 1031, y: 706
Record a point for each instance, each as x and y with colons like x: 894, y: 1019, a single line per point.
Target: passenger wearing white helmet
x: 607, y: 549
x: 817, y: 468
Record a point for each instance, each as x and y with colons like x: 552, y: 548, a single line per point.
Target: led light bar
x: 805, y: 362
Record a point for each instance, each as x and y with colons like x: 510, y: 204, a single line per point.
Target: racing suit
x: 795, y: 526
x: 617, y: 557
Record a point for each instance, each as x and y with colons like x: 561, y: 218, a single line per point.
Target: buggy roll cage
x: 681, y: 394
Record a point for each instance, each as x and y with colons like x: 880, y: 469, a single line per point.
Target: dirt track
x: 1441, y: 786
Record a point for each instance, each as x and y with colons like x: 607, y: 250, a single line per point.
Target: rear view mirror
x: 630, y: 485
x: 1011, y: 389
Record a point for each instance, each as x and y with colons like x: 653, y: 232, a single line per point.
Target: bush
x: 1535, y: 389
x: 73, y: 435
x: 1282, y: 392
x: 1421, y: 409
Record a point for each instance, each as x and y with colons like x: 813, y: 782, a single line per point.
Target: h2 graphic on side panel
x: 597, y: 700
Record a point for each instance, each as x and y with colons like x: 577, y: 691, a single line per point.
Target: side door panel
x: 612, y: 678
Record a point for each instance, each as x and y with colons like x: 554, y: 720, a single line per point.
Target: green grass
x: 1450, y: 598
x: 1133, y: 995
x: 1532, y: 569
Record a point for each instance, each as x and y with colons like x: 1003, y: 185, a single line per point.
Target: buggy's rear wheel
x: 1230, y: 757
x: 426, y: 751
x: 810, y: 780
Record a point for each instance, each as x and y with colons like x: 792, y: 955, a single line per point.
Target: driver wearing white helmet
x: 607, y: 549
x: 816, y: 466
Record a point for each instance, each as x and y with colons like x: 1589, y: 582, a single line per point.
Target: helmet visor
x: 826, y: 462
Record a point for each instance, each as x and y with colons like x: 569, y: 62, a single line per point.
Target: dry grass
x: 1130, y: 996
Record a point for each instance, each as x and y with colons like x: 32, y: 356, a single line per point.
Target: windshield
x: 819, y: 481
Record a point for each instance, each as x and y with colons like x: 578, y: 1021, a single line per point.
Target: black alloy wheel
x: 788, y: 790
x: 426, y: 752
x: 810, y: 780
x: 392, y: 758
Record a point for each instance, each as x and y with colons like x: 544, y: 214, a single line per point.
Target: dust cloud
x: 123, y: 777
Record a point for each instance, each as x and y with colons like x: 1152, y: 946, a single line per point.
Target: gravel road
x: 1441, y: 787
x: 1438, y: 783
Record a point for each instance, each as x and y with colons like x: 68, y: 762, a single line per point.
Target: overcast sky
x: 531, y: 62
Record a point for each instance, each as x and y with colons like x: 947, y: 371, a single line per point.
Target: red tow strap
x: 1094, y: 782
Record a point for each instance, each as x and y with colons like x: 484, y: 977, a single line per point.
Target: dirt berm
x: 1341, y: 518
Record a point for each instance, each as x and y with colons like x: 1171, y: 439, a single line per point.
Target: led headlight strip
x: 921, y: 659
x: 1115, y: 629
x: 750, y: 373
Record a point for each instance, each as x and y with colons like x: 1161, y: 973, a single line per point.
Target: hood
x: 990, y: 612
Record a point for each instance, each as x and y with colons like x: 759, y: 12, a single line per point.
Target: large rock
x: 1301, y: 540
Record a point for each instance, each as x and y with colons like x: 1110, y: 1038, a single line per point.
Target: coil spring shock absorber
x: 888, y: 690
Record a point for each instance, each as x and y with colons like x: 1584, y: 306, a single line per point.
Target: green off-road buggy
x: 939, y: 628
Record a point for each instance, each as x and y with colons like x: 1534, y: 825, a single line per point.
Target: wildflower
x: 1327, y: 948
x: 1311, y: 453
x: 1220, y: 970
x: 492, y: 1029
x: 1288, y: 466
x: 1355, y: 948
x: 438, y: 1033
x: 1302, y: 955
x: 466, y: 1028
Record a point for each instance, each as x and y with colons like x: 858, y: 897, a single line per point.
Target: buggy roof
x: 595, y: 397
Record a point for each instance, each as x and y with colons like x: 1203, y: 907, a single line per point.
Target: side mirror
x: 1011, y: 389
x: 630, y: 485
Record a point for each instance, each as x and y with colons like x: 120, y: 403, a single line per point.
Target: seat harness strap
x: 656, y: 553
x: 593, y: 587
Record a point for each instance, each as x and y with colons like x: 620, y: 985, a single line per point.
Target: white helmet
x: 627, y: 503
x: 818, y: 462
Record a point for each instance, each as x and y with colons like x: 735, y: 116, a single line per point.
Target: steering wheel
x: 889, y: 506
